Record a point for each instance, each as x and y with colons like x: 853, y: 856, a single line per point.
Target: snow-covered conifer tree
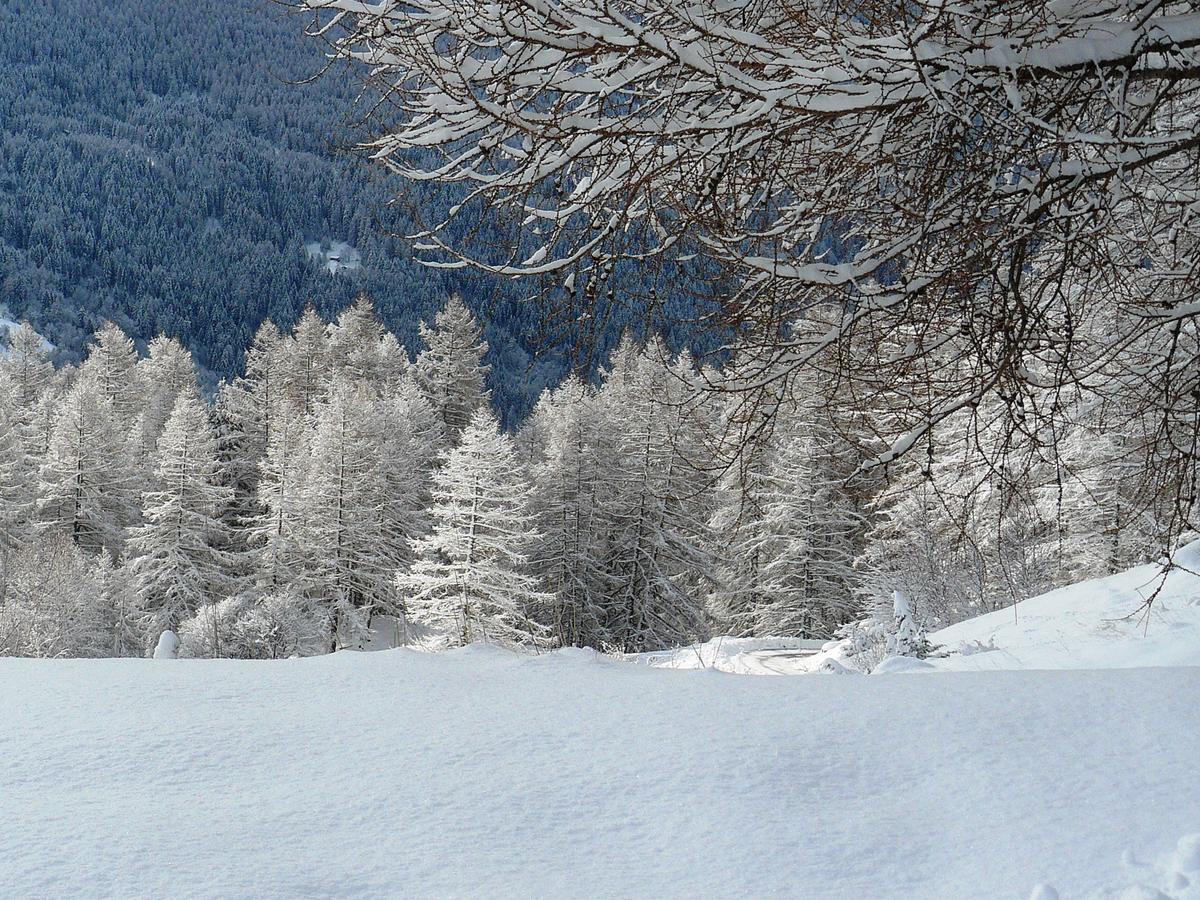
x: 355, y: 534
x: 803, y: 543
x: 470, y: 581
x: 450, y: 370
x: 86, y: 490
x: 568, y: 555
x: 304, y: 362
x: 656, y: 563
x: 174, y: 557
x: 354, y: 345
x: 166, y: 373
x: 278, y: 531
x: 112, y: 366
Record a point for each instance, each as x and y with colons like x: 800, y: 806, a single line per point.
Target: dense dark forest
x: 164, y: 168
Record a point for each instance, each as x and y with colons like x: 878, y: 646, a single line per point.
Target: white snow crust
x: 483, y: 773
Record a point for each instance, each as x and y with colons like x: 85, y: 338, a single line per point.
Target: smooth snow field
x: 481, y: 773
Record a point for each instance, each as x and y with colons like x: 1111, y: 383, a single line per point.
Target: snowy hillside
x: 479, y: 772
x: 1099, y: 624
x: 1096, y: 624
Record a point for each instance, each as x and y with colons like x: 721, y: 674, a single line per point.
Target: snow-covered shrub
x: 48, y: 605
x: 870, y: 641
x: 255, y: 627
x: 908, y: 636
x: 167, y: 646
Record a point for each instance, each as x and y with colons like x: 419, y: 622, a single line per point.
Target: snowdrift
x: 481, y: 773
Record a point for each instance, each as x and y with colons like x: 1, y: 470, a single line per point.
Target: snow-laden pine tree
x: 86, y: 489
x: 471, y: 580
x: 569, y: 552
x: 175, y: 559
x: 450, y: 370
x: 655, y: 508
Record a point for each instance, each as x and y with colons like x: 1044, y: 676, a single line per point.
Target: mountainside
x: 161, y: 166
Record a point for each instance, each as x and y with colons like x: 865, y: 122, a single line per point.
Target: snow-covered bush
x: 255, y: 627
x: 48, y: 603
x: 880, y: 636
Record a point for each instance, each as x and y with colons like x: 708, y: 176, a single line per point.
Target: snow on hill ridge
x: 1099, y: 624
x: 1096, y: 624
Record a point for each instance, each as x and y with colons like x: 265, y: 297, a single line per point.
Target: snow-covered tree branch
x: 958, y: 199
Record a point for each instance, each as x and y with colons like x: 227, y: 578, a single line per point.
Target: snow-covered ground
x: 336, y: 256
x: 482, y: 773
x: 1096, y: 624
x: 1100, y: 624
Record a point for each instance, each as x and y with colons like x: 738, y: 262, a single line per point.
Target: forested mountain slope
x: 160, y: 166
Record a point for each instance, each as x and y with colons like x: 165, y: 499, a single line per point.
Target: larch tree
x: 568, y: 554
x: 304, y: 362
x: 657, y: 565
x: 450, y: 370
x: 354, y: 534
x: 470, y: 581
x: 277, y: 532
x: 165, y: 373
x: 175, y: 559
x: 112, y: 366
x: 355, y: 345
x: 86, y: 490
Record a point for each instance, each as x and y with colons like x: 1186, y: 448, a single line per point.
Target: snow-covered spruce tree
x: 568, y: 554
x: 174, y: 556
x: 86, y: 490
x: 471, y: 581
x: 450, y: 370
x: 656, y: 564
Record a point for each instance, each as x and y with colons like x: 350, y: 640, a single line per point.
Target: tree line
x: 341, y: 478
